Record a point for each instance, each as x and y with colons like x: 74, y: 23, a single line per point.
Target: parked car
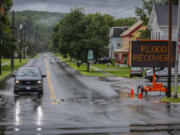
x: 104, y: 60
x: 28, y: 79
x: 136, y: 71
x: 159, y: 73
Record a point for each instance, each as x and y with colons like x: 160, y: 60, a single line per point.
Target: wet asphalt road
x: 73, y: 104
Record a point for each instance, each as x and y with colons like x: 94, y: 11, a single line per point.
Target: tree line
x: 77, y: 33
x: 39, y: 22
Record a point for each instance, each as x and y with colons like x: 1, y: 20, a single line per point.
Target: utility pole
x: 36, y: 39
x: 0, y: 36
x: 13, y: 36
x: 20, y: 48
x: 170, y: 49
x: 177, y: 53
x: 0, y: 48
x: 24, y: 28
x: 28, y: 48
x: 0, y: 52
x: 2, y: 11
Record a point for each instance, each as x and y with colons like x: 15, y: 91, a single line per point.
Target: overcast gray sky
x: 117, y: 8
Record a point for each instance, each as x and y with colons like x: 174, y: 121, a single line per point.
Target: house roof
x: 162, y: 12
x: 122, y: 50
x: 132, y: 29
x: 117, y: 31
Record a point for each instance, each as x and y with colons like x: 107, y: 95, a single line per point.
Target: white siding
x: 114, y: 46
x: 158, y: 32
x: 165, y: 33
x: 155, y: 30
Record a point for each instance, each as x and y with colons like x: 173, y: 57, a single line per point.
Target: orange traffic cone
x: 132, y: 93
x: 140, y: 95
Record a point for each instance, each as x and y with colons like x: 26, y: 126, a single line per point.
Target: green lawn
x: 171, y: 100
x: 82, y: 69
x: 119, y: 73
x: 7, y: 69
x: 37, y: 56
x: 103, y: 66
x: 4, y: 60
x: 114, y: 70
x: 172, y: 89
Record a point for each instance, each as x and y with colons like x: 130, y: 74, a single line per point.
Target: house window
x: 118, y: 43
x: 157, y: 35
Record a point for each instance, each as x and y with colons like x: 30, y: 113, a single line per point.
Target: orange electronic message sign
x: 151, y: 54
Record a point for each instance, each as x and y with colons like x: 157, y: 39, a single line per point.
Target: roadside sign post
x: 177, y: 53
x: 152, y: 53
x: 90, y: 58
x: 169, y: 49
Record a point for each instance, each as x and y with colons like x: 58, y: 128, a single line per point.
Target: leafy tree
x: 67, y: 33
x: 125, y: 21
x: 95, y: 36
x: 5, y: 29
x: 77, y: 33
x: 109, y: 20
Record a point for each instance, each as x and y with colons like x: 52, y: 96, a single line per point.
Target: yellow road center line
x: 51, y: 88
x: 48, y: 82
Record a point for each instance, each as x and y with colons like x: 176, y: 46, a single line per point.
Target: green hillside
x: 40, y: 22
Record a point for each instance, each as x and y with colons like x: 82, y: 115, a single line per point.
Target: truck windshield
x: 28, y: 72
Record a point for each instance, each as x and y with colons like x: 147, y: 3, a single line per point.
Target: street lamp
x: 13, y: 37
x: 20, y: 48
x: 24, y: 40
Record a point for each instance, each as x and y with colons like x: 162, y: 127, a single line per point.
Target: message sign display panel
x: 151, y: 54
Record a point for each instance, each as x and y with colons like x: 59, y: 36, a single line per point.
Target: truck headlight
x: 39, y: 82
x: 17, y: 82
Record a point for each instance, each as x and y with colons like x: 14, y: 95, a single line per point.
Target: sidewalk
x: 6, y: 63
x: 100, y: 70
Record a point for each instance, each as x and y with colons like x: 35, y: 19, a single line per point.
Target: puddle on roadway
x: 5, y: 85
x: 105, y: 79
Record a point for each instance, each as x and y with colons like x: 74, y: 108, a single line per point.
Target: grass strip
x: 114, y: 70
x: 37, y: 56
x: 123, y: 73
x: 6, y: 69
x: 104, y: 66
x: 5, y: 60
x: 171, y: 100
x: 82, y: 69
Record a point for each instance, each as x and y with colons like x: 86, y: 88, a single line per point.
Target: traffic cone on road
x: 132, y: 93
x: 140, y: 95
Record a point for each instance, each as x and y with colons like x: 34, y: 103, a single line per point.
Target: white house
x: 159, y: 22
x: 115, y: 39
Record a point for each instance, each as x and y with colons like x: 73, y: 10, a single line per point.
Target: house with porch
x: 123, y: 55
x: 115, y: 39
x: 159, y: 22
